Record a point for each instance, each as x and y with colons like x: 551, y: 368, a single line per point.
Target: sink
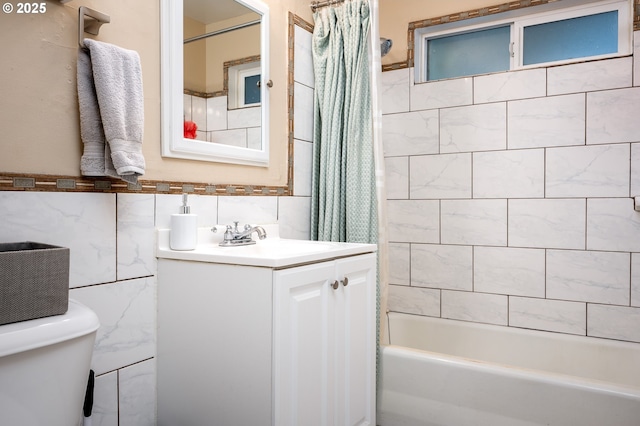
x: 273, y: 252
x: 274, y: 247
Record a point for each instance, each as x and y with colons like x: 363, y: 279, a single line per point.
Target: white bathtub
x: 439, y: 372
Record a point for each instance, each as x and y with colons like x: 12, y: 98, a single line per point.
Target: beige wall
x: 301, y: 8
x: 395, y: 16
x: 231, y: 46
x: 195, y: 57
x: 39, y: 109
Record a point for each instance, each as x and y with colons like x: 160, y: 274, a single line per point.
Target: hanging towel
x: 92, y: 162
x: 111, y: 111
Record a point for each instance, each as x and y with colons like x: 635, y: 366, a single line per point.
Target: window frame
x: 424, y: 71
x: 236, y: 76
x: 521, y: 18
x: 242, y: 86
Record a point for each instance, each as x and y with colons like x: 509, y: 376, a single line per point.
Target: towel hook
x: 90, y: 21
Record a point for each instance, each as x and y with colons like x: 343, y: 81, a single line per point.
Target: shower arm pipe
x: 320, y: 4
x: 223, y: 31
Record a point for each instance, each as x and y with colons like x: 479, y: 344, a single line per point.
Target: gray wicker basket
x: 34, y: 281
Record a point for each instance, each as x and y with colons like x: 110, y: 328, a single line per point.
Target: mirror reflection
x: 222, y: 73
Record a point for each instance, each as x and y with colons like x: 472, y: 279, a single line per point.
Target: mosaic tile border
x: 485, y: 11
x: 205, y: 95
x: 304, y: 24
x: 56, y: 183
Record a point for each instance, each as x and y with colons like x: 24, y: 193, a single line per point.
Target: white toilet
x: 44, y: 368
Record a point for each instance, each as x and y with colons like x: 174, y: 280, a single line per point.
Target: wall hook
x: 90, y: 21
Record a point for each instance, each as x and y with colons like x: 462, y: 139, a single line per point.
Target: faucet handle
x: 216, y: 228
x: 228, y: 234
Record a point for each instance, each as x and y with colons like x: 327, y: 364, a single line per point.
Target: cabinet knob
x: 345, y: 282
x: 335, y: 284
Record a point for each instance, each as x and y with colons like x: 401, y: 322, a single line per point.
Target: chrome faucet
x: 235, y: 237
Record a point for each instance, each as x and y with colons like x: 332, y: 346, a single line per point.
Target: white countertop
x: 272, y: 252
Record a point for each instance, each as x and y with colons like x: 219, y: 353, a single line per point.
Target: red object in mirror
x: 190, y: 129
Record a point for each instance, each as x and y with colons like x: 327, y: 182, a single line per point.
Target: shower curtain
x: 348, y: 201
x: 343, y: 190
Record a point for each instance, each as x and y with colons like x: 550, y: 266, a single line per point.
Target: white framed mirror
x: 221, y: 117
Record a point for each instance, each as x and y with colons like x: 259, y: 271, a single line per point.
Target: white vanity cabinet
x: 247, y: 345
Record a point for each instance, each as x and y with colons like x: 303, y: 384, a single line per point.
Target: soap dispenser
x: 184, y: 228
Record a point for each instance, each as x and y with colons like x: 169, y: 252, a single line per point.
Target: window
x: 573, y: 38
x: 475, y: 52
x: 528, y: 37
x: 252, y: 89
x: 244, y: 85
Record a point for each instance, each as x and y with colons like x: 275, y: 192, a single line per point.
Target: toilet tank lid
x: 26, y: 335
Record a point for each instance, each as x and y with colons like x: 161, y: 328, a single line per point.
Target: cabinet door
x: 214, y: 344
x: 303, y: 321
x: 355, y: 335
x: 324, y: 363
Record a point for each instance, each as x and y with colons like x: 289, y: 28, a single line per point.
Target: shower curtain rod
x: 319, y: 4
x: 223, y: 31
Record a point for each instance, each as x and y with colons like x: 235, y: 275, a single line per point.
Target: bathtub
x: 440, y: 372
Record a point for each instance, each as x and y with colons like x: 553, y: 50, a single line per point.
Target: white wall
x: 509, y: 197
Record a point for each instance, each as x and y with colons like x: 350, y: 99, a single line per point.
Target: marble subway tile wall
x: 510, y: 197
x: 113, y: 267
x: 112, y: 270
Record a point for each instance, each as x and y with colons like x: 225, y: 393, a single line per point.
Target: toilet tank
x: 44, y: 368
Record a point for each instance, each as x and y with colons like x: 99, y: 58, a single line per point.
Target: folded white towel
x: 111, y: 108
